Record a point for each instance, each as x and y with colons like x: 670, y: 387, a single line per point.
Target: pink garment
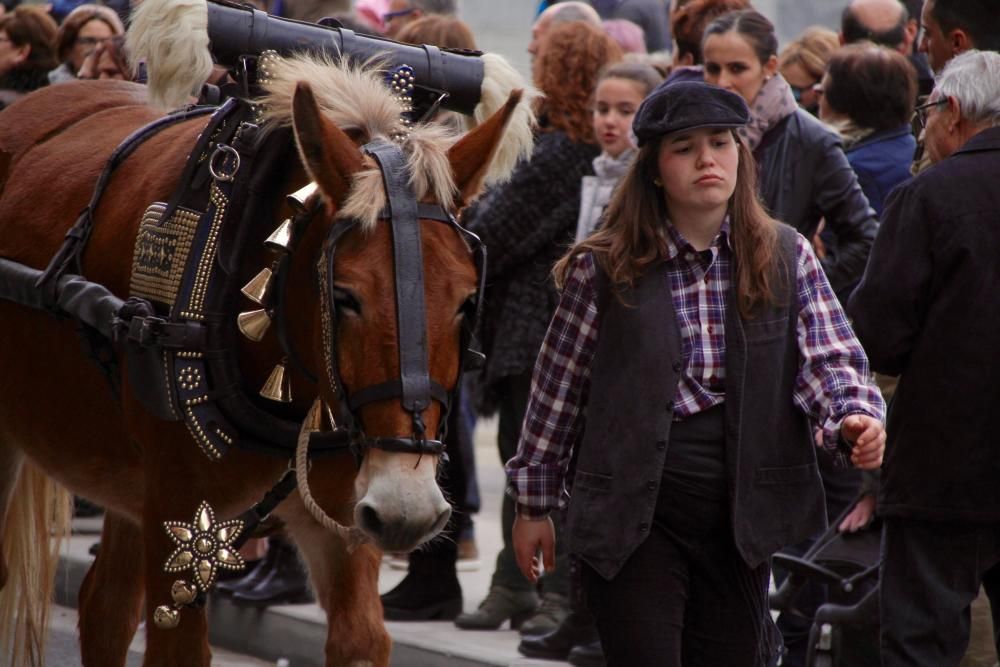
x: 371, y: 11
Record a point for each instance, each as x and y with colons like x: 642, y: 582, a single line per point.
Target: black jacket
x: 775, y: 491
x: 928, y: 308
x: 527, y: 224
x: 804, y: 177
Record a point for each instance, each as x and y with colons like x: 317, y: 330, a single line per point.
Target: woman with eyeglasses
x: 84, y: 29
x: 803, y: 62
x: 26, y: 55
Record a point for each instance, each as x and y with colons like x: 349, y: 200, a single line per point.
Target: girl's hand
x: 530, y: 537
x: 860, y: 516
x: 867, y: 435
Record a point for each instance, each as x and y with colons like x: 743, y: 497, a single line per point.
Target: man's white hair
x: 973, y: 78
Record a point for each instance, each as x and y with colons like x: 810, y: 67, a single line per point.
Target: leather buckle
x: 146, y: 331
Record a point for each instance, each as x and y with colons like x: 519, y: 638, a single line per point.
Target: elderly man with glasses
x: 926, y: 309
x: 402, y: 12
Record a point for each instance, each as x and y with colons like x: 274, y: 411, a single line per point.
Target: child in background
x: 620, y: 90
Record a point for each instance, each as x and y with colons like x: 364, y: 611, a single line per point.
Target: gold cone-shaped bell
x: 299, y: 197
x: 281, y: 238
x: 279, y: 385
x: 254, y: 323
x: 259, y: 287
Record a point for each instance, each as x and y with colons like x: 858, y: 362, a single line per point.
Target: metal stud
x: 279, y: 385
x: 299, y: 197
x: 254, y: 323
x: 259, y: 288
x: 281, y: 238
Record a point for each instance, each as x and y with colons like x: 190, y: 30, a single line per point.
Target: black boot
x: 430, y: 589
x: 576, y: 629
x: 587, y: 655
x: 284, y: 582
x: 249, y: 578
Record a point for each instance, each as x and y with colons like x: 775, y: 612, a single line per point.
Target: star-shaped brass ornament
x: 204, y: 547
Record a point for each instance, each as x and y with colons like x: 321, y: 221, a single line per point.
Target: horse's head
x: 391, y: 315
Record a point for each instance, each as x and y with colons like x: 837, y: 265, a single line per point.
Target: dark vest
x: 775, y: 490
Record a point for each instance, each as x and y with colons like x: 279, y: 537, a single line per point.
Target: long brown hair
x: 633, y: 235
x: 566, y: 71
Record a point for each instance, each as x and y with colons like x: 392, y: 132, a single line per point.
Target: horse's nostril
x: 369, y: 520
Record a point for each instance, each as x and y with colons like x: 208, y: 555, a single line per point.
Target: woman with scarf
x: 804, y: 175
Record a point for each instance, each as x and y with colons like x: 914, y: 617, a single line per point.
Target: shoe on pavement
x: 499, y: 605
x: 547, y: 617
x: 421, y: 598
x: 576, y: 629
x: 587, y: 655
x: 284, y: 582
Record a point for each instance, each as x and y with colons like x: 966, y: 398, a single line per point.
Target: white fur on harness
x: 171, y: 36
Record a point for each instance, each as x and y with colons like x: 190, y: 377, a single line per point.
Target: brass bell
x: 259, y: 287
x: 254, y: 323
x: 281, y: 238
x: 182, y: 592
x: 279, y: 385
x: 299, y: 197
x: 166, y: 617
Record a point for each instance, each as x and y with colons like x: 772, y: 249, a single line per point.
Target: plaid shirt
x: 833, y: 379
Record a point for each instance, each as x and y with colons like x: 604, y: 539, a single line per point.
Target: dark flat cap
x: 687, y: 105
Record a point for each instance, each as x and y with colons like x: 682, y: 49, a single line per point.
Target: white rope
x: 352, y: 536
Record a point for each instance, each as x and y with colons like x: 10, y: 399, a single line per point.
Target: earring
x: 657, y: 182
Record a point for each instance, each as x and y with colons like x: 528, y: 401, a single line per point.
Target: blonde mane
x: 356, y: 99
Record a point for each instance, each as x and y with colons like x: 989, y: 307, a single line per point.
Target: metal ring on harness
x: 223, y: 149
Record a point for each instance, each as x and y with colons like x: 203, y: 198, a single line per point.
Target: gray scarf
x: 774, y: 103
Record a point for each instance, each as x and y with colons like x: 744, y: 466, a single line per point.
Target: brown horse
x: 58, y: 415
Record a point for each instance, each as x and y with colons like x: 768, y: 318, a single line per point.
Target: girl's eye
x: 712, y: 69
x: 737, y: 69
x: 682, y: 149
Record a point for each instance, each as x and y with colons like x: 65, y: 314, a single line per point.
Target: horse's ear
x: 470, y: 157
x: 329, y: 155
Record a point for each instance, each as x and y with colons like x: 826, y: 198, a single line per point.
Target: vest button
x: 643, y: 527
x: 651, y: 485
x: 677, y: 367
x: 661, y: 445
x: 670, y: 406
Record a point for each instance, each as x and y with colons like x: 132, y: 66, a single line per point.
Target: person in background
x: 621, y: 88
x: 527, y: 223
x: 563, y: 12
x: 804, y: 174
x: 107, y: 61
x: 402, y: 12
x: 803, y: 62
x: 724, y: 319
x: 930, y: 286
x: 83, y: 30
x: 868, y: 94
x: 27, y: 53
x: 628, y: 35
x: 888, y: 23
x: 650, y: 15
x: 687, y: 24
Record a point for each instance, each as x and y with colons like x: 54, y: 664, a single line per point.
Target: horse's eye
x: 468, y: 308
x: 345, y: 301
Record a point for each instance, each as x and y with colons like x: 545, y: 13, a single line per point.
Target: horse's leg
x: 111, y: 595
x: 347, y: 589
x: 10, y: 468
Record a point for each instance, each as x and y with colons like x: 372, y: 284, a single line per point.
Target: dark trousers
x: 514, y: 402
x: 931, y: 572
x: 685, y: 596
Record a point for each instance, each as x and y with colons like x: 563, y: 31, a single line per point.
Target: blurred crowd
x: 843, y: 119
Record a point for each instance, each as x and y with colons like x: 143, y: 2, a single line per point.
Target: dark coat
x: 805, y: 177
x: 650, y: 15
x: 927, y: 308
x: 527, y: 224
x: 775, y: 492
x: 881, y: 162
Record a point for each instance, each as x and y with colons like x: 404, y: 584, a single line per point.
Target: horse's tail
x: 171, y: 36
x: 38, y: 518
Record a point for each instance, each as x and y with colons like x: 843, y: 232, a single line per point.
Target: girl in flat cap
x: 695, y: 344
